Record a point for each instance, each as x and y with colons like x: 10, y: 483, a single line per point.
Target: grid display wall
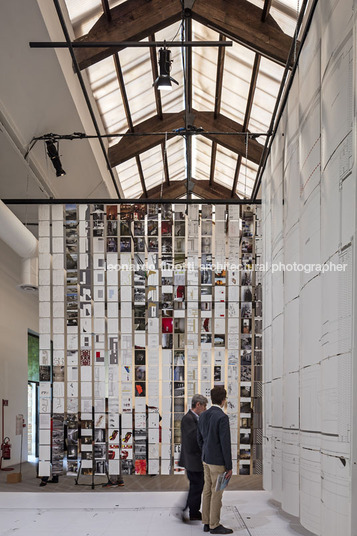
x: 141, y: 307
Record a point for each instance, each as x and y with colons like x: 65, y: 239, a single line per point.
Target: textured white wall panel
x: 310, y: 323
x: 277, y: 465
x: 291, y: 255
x: 291, y: 337
x: 278, y: 343
x: 336, y: 506
x: 291, y: 408
x: 291, y: 474
x: 310, y: 398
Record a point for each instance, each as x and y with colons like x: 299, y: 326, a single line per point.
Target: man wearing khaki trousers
x: 214, y: 438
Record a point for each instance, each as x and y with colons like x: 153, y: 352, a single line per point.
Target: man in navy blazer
x: 191, y: 456
x: 214, y: 438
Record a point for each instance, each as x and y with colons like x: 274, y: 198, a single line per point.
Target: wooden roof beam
x: 129, y: 147
x: 266, y: 9
x: 217, y: 102
x: 207, y: 121
x: 242, y: 22
x: 178, y: 189
x: 175, y: 189
x: 132, y: 20
x: 207, y: 191
x: 106, y: 10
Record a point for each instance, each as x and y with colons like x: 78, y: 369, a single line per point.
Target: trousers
x: 195, y: 491
x: 211, y: 499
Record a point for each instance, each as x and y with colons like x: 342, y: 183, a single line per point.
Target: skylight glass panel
x: 226, y: 162
x: 237, y: 74
x: 246, y: 179
x: 285, y: 13
x: 175, y: 149
x: 152, y: 165
x: 204, y: 68
x: 268, y: 84
x: 202, y: 148
x: 137, y: 74
x: 129, y: 178
x: 85, y: 13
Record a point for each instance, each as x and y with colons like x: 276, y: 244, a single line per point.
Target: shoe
x: 110, y: 485
x: 54, y: 480
x: 184, y: 519
x: 196, y: 517
x: 43, y: 484
x: 221, y: 530
x: 121, y: 483
x: 205, y: 528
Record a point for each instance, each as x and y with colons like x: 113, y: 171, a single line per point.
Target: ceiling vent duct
x: 22, y: 242
x: 29, y: 275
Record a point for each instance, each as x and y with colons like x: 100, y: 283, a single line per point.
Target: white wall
x: 309, y: 216
x: 18, y: 313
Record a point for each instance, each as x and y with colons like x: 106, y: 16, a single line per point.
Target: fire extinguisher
x: 6, y: 449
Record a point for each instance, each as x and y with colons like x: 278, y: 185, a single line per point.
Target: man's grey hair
x: 199, y: 398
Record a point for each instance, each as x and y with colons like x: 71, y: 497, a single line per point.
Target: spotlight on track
x: 163, y: 81
x: 52, y: 151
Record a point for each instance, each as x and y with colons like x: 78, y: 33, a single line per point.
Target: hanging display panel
x: 142, y: 307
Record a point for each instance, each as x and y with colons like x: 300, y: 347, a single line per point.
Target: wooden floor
x: 30, y: 483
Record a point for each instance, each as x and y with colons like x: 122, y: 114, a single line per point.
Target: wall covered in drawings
x: 142, y: 306
x: 309, y: 219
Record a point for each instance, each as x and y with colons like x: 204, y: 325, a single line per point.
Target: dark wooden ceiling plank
x: 207, y: 191
x: 178, y: 189
x: 128, y: 147
x: 123, y: 93
x: 213, y: 162
x: 241, y: 21
x: 217, y: 103
x: 132, y: 20
x: 165, y: 162
x: 219, y: 77
x: 175, y: 189
x: 225, y: 124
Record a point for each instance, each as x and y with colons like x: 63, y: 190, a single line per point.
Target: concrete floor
x: 249, y: 513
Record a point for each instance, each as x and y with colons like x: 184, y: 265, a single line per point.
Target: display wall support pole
x: 93, y: 439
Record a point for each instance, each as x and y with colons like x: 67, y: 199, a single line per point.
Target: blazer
x: 214, y: 437
x: 191, y: 455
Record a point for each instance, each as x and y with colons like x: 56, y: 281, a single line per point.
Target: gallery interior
x: 178, y: 211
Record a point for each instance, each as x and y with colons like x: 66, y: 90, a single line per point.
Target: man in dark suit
x: 214, y: 438
x: 191, y: 455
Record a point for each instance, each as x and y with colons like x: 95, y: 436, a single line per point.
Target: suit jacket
x: 214, y: 437
x: 191, y: 455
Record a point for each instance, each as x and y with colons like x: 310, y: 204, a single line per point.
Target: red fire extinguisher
x: 6, y: 449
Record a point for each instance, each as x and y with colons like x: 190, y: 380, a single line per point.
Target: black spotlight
x: 52, y: 151
x: 163, y: 81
